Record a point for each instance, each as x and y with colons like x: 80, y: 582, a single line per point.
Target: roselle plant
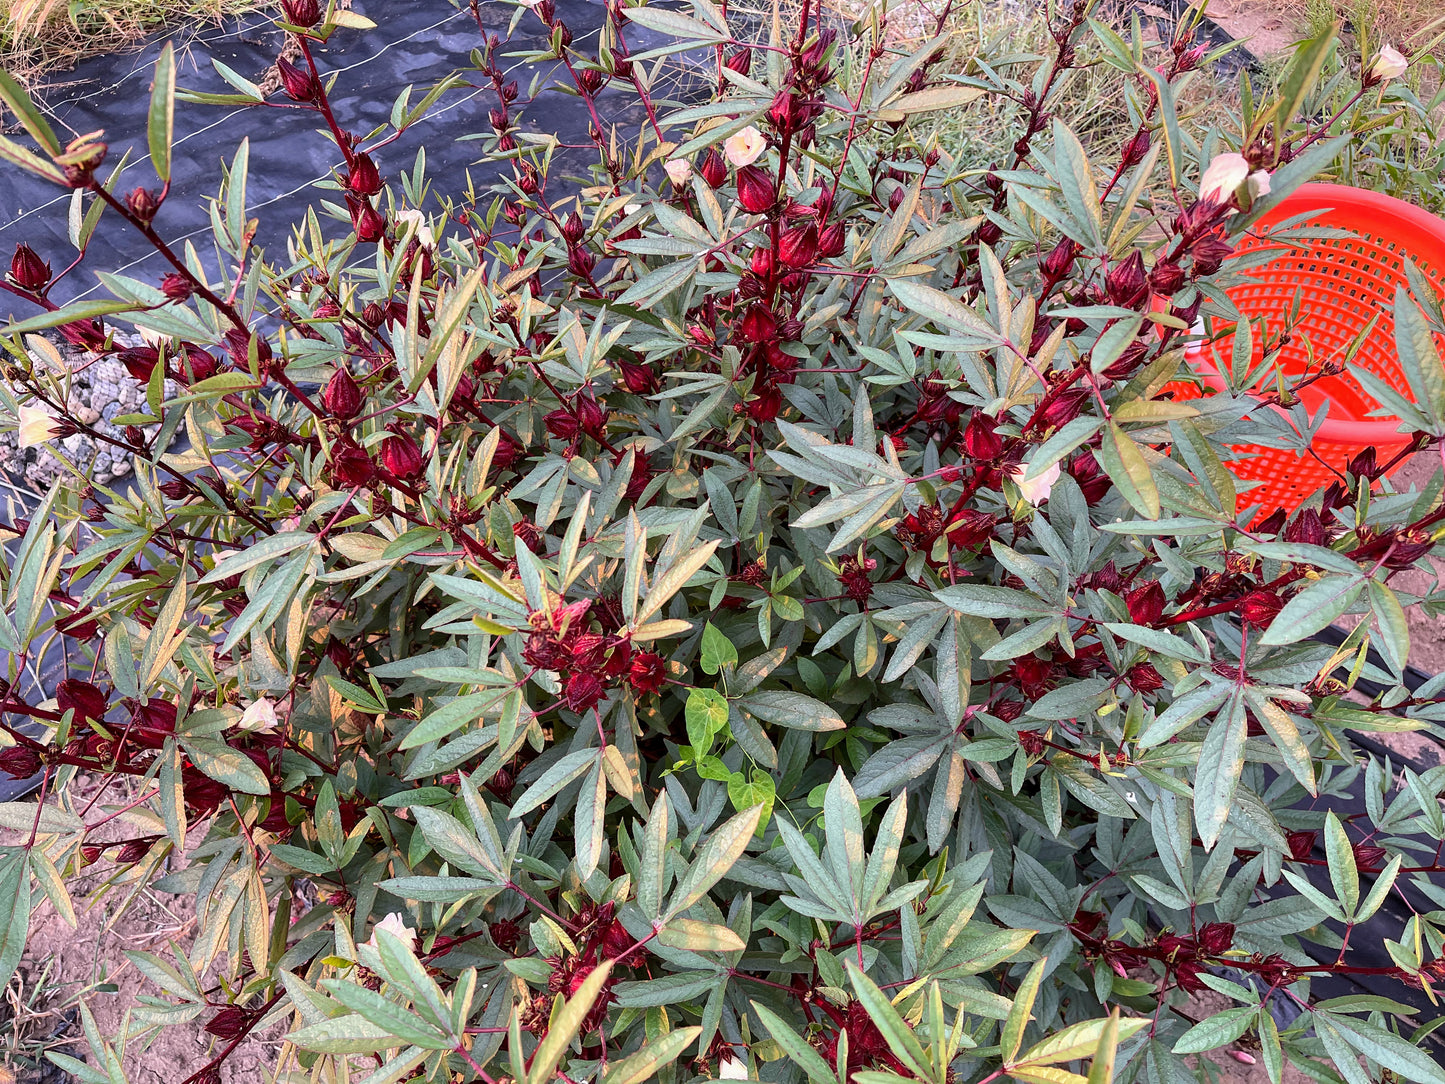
x: 757, y: 612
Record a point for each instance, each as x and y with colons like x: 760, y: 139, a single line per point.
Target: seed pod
x: 298, y: 84
x: 303, y: 13
x: 798, y: 247
x: 27, y: 270
x: 401, y: 456
x: 143, y: 204
x: 756, y: 190
x: 363, y: 178
x: 85, y: 700
x: 713, y: 169
x: 342, y: 396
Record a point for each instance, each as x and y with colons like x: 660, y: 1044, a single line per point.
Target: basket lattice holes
x: 1343, y: 283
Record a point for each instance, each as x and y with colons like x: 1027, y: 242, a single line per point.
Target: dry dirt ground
x: 93, y: 954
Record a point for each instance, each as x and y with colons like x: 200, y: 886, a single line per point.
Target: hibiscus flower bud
x: 85, y: 158
x: 1126, y: 284
x: 401, y: 455
x: 363, y: 178
x: 20, y: 762
x: 971, y: 528
x: 798, y: 246
x: 1210, y: 252
x: 342, y: 396
x: 590, y: 81
x: 1091, y: 479
x: 1407, y: 547
x: 756, y: 190
x: 1307, y: 528
x: 1368, y: 857
x: 87, y: 701
x: 758, y: 324
x: 197, y: 364
x: 139, y: 362
x: 1143, y: 678
x: 740, y: 61
x: 591, y: 416
x: 350, y: 466
x: 646, y: 672
x: 27, y: 270
x: 832, y: 240
x: 1061, y: 409
x: 1060, y: 260
x: 1187, y: 976
x: 573, y: 228
x: 1259, y: 608
x: 1146, y: 603
x: 766, y: 405
x: 584, y: 690
x: 713, y: 169
x: 639, y: 379
x: 980, y: 437
x: 1166, y: 279
x: 176, y: 286
x: 1365, y: 465
x: 781, y: 112
x: 1136, y: 148
x: 231, y: 1020
x: 580, y: 262
x: 1031, y: 742
x: 1301, y: 844
x: 298, y: 84
x: 366, y: 220
x: 561, y: 423
x: 1216, y: 938
x: 302, y: 13
x: 143, y: 204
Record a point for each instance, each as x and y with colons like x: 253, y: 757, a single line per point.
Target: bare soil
x: 94, y: 953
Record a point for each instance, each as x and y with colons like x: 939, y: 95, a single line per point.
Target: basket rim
x: 1398, y: 215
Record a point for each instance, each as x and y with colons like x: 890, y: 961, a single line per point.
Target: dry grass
x: 39, y: 37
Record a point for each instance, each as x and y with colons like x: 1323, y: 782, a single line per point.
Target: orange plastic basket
x: 1343, y: 282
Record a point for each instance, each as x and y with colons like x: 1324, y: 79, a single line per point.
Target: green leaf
x: 19, y: 103
x: 226, y: 765
x: 717, y: 650
x: 15, y: 907
x: 161, y: 123
x: 1012, y: 1035
x: 1313, y: 608
x: 267, y: 549
x: 1418, y: 357
x: 1388, y: 1049
x: 1102, y: 1069
x: 895, y: 1031
x: 696, y: 936
x: 802, y: 1054
x: 1344, y: 876
x: 706, y: 715
x: 566, y: 1024
x: 1215, y: 1031
x: 724, y: 847
x: 1127, y: 468
x: 1221, y: 760
x: 1080, y: 1040
x: 655, y: 1053
x: 795, y: 710
x: 387, y: 1014
x: 675, y: 24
